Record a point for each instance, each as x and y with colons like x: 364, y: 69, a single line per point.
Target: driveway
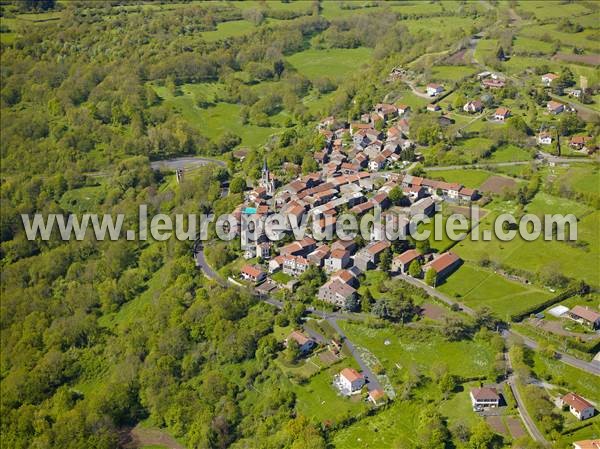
x: 372, y: 382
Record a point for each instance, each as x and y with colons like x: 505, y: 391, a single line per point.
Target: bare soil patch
x: 456, y: 58
x: 466, y: 211
x: 328, y: 357
x: 515, y: 427
x: 578, y: 59
x: 497, y: 424
x: 136, y: 437
x: 433, y: 311
x: 498, y: 184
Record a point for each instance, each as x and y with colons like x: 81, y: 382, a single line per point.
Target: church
x: 267, y: 180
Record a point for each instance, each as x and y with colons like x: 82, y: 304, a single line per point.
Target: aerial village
x: 357, y: 157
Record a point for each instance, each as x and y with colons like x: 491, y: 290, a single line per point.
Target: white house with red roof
x: 554, y: 107
x: 549, y: 78
x: 579, y: 407
x: 305, y: 343
x: 253, y: 274
x: 350, y: 381
x: 501, y: 114
x: 586, y: 316
x: 484, y: 398
x: 338, y: 259
x: 586, y: 444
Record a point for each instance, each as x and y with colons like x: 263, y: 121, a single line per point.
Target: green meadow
x: 479, y: 287
x: 411, y: 346
x: 579, y: 261
x: 335, y: 63
x: 215, y: 120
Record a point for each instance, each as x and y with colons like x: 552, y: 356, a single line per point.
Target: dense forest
x: 79, y: 110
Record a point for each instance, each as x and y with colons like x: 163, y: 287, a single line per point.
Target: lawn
x: 472, y: 149
x: 215, y: 120
x: 225, y: 30
x: 83, y: 199
x: 580, y: 178
x: 479, y: 287
x: 319, y: 400
x: 531, y: 46
x: 567, y: 376
x: 281, y: 277
x: 451, y: 72
x: 551, y: 9
x: 391, y: 428
x: 538, y: 255
x: 413, y: 347
x: 337, y: 63
x: 471, y: 178
x: 510, y: 153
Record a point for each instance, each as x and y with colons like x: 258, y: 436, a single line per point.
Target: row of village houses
x: 343, y: 185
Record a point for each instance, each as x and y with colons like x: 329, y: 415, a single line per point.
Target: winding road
x: 188, y: 162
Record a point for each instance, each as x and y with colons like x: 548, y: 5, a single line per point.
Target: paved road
x: 527, y: 420
x: 435, y: 293
x: 372, y: 382
x: 588, y: 367
x: 331, y: 317
x: 206, y: 268
x: 185, y: 162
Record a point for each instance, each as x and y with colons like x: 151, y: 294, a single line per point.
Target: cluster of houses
x: 485, y: 398
x: 345, y: 183
x: 348, y: 381
x: 577, y: 143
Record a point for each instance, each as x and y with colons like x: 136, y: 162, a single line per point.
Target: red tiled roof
x: 299, y: 337
x: 502, y: 111
x: 443, y: 261
x: 485, y: 393
x: 351, y: 374
x: 407, y: 256
x: 585, y: 313
x: 577, y: 402
x: 251, y: 271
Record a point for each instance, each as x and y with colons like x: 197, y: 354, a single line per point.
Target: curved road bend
x: 372, y: 382
x: 184, y: 162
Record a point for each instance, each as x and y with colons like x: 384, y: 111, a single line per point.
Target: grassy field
x: 583, y: 39
x: 567, y: 376
x: 84, y: 199
x: 529, y: 45
x: 468, y: 178
x: 215, y: 120
x: 551, y: 9
x: 539, y: 255
x: 128, y: 312
x: 410, y: 346
x: 335, y: 63
x: 472, y: 149
x: 319, y: 400
x: 478, y: 287
x: 579, y: 178
x: 451, y: 72
x: 391, y: 428
x: 485, y: 48
x: 509, y: 153
x: 232, y: 28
